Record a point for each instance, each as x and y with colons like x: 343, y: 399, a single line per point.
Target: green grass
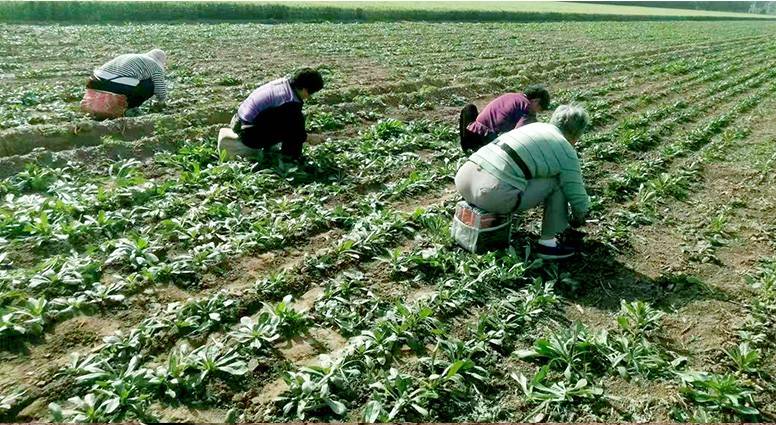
x: 528, y: 6
x: 130, y: 11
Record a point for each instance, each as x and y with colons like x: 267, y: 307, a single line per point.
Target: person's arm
x: 527, y: 118
x: 572, y: 184
x: 522, y: 112
x: 295, y: 133
x: 160, y: 85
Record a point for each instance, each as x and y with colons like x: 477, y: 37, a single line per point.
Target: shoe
x: 555, y: 252
x: 572, y: 238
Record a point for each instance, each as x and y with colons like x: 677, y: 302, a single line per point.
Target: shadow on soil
x: 596, y: 278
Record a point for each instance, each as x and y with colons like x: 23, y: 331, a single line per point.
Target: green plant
x: 91, y: 408
x: 745, y: 358
x: 311, y: 389
x: 213, y: 358
x: 7, y: 401
x: 635, y: 357
x: 396, y: 395
x: 289, y: 321
x: 554, y: 399
x: 387, y: 128
x: 257, y: 334
x: 639, y: 318
x: 25, y: 319
x: 722, y: 393
x: 569, y: 349
x: 202, y: 315
x: 138, y: 252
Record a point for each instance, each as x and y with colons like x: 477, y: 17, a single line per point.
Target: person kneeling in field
x: 533, y: 164
x: 272, y: 114
x: 124, y: 83
x: 507, y: 112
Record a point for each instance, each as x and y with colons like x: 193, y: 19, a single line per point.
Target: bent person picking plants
x: 505, y: 113
x: 124, y: 83
x: 532, y: 165
x: 272, y: 114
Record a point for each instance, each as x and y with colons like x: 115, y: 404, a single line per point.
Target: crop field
x: 145, y: 277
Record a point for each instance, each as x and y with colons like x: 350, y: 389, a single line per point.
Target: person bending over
x: 272, y: 114
x: 507, y: 112
x: 138, y: 77
x: 534, y: 164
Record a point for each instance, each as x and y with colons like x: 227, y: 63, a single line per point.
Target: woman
x: 507, y: 112
x: 530, y: 165
x: 134, y: 78
x: 272, y: 114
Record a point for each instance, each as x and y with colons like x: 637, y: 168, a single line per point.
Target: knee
x: 555, y: 187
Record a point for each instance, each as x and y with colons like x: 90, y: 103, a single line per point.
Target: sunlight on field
x: 146, y: 277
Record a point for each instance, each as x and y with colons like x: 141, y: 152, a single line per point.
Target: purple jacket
x: 507, y: 112
x: 270, y: 95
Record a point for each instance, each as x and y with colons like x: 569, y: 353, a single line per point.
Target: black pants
x: 273, y: 127
x: 135, y: 95
x: 471, y: 141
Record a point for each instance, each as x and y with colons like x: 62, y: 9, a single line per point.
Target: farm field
x: 145, y: 277
x: 528, y: 6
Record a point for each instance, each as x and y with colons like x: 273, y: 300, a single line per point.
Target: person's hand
x: 157, y: 106
x: 577, y: 221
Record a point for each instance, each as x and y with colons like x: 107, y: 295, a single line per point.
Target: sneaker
x: 554, y: 252
x: 572, y: 238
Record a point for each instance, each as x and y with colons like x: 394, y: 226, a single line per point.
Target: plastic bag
x: 230, y: 142
x: 102, y: 104
x: 478, y: 231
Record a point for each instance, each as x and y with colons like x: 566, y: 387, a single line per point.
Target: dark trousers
x: 471, y: 141
x: 135, y: 95
x: 273, y: 127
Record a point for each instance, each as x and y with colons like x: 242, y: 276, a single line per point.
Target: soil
x: 704, y: 303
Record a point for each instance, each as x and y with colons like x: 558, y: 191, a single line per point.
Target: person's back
x: 133, y: 78
x: 505, y: 113
x: 272, y: 114
x: 534, y: 164
x: 543, y: 151
x: 271, y: 95
x: 133, y: 65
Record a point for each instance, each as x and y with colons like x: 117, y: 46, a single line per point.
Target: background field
x: 528, y: 6
x: 166, y: 269
x: 277, y: 11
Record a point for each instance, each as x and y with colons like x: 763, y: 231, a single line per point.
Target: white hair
x: 571, y: 120
x: 158, y: 56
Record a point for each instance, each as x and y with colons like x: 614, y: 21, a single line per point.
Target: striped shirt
x: 141, y: 67
x: 546, y: 154
x: 270, y: 95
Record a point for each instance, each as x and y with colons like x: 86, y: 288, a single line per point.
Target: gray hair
x: 571, y: 120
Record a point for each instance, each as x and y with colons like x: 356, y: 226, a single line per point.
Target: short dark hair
x: 307, y: 78
x: 538, y: 91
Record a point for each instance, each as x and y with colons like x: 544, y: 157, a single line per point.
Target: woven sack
x: 103, y: 104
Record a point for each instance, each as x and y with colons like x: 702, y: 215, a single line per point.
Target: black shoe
x: 555, y: 252
x: 572, y: 238
x: 468, y: 115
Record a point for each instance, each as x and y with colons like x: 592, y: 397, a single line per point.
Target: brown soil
x: 706, y: 322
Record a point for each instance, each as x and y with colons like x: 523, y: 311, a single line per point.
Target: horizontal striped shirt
x: 141, y: 67
x: 546, y: 154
